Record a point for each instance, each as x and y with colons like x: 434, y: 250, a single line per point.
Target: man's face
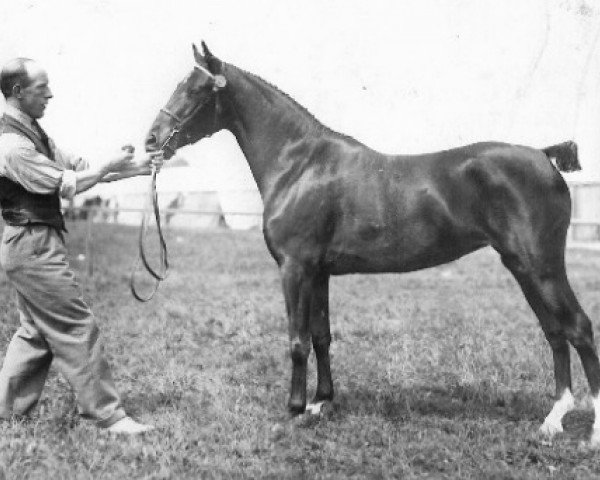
x: 34, y: 97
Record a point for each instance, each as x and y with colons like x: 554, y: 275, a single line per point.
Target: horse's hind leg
x: 321, y: 339
x: 562, y: 319
x: 552, y: 326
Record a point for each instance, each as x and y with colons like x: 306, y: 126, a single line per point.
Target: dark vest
x: 19, y: 206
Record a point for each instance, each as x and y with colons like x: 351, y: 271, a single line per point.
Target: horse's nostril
x: 151, y: 140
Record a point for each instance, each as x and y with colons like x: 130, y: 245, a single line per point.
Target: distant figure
x: 70, y: 210
x: 89, y: 207
x: 174, y: 204
x: 100, y: 209
x: 112, y: 212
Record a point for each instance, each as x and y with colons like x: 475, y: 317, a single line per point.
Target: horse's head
x: 194, y: 108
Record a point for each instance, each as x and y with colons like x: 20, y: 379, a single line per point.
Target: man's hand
x: 121, y: 161
x: 152, y: 160
x: 121, y: 165
x: 143, y: 165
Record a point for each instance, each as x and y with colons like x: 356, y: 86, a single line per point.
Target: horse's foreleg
x: 321, y: 339
x: 297, y: 293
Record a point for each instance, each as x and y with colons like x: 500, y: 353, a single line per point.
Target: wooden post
x: 89, y: 248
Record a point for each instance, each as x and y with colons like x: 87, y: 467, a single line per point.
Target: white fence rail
x: 176, y: 217
x: 585, y: 218
x: 585, y: 221
x: 163, y: 211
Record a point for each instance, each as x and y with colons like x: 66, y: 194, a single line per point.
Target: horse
x: 333, y: 206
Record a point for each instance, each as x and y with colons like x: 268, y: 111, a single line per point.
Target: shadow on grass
x: 474, y: 402
x: 418, y: 405
x: 460, y: 402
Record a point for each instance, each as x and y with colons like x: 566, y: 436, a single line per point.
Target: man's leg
x: 25, y: 368
x: 48, y: 289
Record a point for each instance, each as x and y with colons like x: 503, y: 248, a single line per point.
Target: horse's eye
x: 195, y: 91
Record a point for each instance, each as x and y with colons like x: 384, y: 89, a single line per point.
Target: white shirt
x: 22, y: 163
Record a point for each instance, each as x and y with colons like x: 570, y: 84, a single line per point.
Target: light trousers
x: 56, y: 324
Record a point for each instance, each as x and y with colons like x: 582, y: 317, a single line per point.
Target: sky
x: 403, y: 76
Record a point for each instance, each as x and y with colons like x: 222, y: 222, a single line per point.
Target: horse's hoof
x: 549, y: 429
x: 296, y: 408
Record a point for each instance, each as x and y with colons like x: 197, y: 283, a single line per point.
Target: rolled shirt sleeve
x: 71, y: 163
x: 68, y: 185
x: 38, y: 174
x: 34, y: 171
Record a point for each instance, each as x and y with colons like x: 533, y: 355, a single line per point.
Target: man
x: 56, y: 324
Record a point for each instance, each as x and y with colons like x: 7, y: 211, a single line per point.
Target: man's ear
x: 16, y: 90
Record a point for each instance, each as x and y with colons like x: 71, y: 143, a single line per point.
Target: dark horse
x: 333, y: 206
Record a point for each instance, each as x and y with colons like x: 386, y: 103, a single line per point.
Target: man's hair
x: 14, y: 73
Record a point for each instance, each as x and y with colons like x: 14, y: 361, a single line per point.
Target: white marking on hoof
x: 549, y: 429
x: 595, y: 439
x: 314, y: 408
x: 553, y: 422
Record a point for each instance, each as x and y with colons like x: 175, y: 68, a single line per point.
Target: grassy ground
x: 442, y: 373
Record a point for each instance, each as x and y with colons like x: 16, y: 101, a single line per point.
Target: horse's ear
x: 207, y: 52
x: 214, y: 64
x: 197, y: 56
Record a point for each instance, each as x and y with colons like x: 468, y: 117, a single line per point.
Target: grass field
x: 442, y: 373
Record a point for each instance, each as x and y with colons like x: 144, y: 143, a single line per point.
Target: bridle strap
x: 172, y: 115
x: 179, y: 123
x: 219, y: 83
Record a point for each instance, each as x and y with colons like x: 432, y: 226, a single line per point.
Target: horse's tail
x: 565, y: 156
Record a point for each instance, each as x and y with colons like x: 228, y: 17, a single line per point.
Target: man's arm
x: 118, y: 168
x: 132, y: 172
x: 74, y: 182
x: 21, y: 163
x: 86, y: 179
x: 38, y: 174
x: 79, y: 164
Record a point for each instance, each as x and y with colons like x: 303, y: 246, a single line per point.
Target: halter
x: 219, y: 83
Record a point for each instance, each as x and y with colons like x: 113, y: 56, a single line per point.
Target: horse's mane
x: 317, y: 126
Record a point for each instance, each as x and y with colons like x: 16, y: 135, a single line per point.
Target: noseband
x: 179, y: 124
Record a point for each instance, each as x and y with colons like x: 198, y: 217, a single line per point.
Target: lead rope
x: 159, y: 276
x: 219, y: 82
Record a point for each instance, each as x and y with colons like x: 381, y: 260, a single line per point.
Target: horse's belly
x: 413, y: 248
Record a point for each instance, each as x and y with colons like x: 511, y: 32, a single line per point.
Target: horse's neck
x: 264, y: 120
